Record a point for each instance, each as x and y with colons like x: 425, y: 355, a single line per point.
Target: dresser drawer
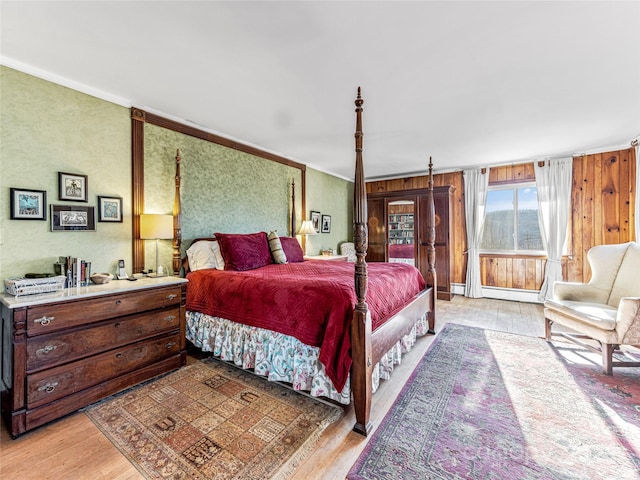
x: 49, y: 318
x: 49, y: 385
x: 45, y: 351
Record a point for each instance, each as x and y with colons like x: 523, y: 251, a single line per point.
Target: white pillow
x: 205, y: 254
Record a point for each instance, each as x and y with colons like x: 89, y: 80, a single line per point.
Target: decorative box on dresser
x: 62, y: 351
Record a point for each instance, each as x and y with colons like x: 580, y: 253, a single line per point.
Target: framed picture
x: 28, y: 204
x: 109, y: 209
x: 72, y: 187
x: 326, y: 223
x: 65, y: 218
x: 315, y: 219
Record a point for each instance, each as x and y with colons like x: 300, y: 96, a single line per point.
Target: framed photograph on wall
x: 65, y: 218
x: 315, y: 219
x: 28, y: 204
x: 109, y: 209
x: 326, y: 223
x: 72, y: 187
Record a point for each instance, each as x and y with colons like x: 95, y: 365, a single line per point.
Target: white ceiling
x: 469, y: 83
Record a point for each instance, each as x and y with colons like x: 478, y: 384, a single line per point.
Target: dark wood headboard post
x: 293, y: 209
x: 361, y: 352
x: 177, y: 220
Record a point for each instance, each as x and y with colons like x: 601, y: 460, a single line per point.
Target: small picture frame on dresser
x: 109, y: 209
x: 28, y: 204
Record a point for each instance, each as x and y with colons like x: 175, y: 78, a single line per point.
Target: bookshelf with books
x: 400, y: 226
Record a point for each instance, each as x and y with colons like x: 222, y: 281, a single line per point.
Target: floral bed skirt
x: 282, y: 358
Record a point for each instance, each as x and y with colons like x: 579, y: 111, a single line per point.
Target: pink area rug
x: 483, y: 404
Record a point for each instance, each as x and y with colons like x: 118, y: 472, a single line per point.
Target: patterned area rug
x: 483, y: 404
x: 213, y: 421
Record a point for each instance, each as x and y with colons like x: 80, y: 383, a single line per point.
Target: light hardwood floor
x: 72, y: 448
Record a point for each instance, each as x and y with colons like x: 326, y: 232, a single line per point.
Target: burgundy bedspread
x: 402, y: 250
x: 312, y: 301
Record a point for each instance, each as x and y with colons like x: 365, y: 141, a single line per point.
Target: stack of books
x: 75, y: 270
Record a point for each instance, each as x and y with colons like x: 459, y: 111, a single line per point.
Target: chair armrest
x: 579, y: 292
x: 628, y: 321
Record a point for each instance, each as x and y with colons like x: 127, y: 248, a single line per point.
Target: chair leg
x: 607, y: 358
x: 547, y: 329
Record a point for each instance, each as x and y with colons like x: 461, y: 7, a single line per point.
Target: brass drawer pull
x: 48, y: 387
x: 47, y: 349
x: 44, y: 320
x: 171, y: 296
x: 170, y: 318
x: 170, y: 345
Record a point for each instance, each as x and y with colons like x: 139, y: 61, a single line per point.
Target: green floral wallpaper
x: 222, y: 189
x: 330, y: 196
x: 46, y: 128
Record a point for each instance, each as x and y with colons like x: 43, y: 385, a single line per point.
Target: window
x: 511, y: 221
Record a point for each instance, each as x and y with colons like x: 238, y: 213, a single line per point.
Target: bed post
x: 431, y: 279
x: 293, y: 208
x: 361, y: 353
x: 177, y: 220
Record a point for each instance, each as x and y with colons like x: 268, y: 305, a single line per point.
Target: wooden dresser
x: 378, y: 207
x: 65, y: 350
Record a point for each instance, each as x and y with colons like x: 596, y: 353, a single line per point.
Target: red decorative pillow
x: 292, y: 249
x: 244, y: 251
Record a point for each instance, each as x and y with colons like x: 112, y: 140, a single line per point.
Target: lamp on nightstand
x: 156, y: 227
x: 306, y: 229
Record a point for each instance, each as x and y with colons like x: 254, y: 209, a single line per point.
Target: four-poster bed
x: 396, y: 319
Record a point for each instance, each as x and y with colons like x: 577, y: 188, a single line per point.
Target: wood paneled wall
x: 603, y: 196
x: 602, y: 202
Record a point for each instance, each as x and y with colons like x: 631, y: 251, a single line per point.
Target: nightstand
x: 335, y: 258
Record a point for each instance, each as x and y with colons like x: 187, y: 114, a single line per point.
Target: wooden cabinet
x: 65, y: 350
x: 379, y: 228
x: 443, y: 203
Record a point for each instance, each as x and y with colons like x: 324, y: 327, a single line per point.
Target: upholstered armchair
x: 348, y: 249
x: 607, y: 309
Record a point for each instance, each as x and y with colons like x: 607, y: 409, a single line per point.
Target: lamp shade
x: 156, y: 227
x: 307, y: 228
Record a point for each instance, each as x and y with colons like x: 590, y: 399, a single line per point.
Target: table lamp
x: 156, y: 227
x: 306, y: 229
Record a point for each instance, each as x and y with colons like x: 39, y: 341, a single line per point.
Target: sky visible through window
x: 500, y: 229
x: 498, y: 200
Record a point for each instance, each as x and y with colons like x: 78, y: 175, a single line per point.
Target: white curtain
x: 475, y: 204
x: 635, y: 189
x: 553, y: 183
